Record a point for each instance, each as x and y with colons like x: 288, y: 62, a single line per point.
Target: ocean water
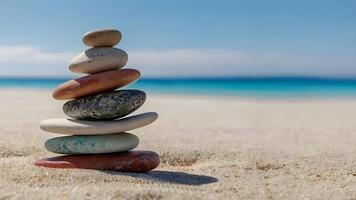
x: 239, y: 86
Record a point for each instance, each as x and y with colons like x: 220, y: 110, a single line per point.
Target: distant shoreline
x: 265, y: 87
x: 242, y: 87
x: 243, y: 77
x: 212, y: 97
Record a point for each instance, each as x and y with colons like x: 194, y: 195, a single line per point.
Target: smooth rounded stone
x: 131, y: 161
x: 102, y: 38
x: 92, y: 144
x: 80, y: 127
x: 99, y: 59
x: 105, y: 106
x: 95, y: 83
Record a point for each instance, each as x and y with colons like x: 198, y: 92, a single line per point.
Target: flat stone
x: 92, y: 144
x: 80, y: 127
x: 105, y: 106
x: 102, y: 38
x: 95, y: 83
x: 131, y: 161
x: 99, y: 59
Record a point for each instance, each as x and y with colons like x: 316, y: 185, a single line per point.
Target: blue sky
x: 185, y: 37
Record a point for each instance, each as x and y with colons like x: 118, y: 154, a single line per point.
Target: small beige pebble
x: 102, y: 38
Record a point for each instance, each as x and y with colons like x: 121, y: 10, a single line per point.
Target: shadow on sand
x: 170, y: 177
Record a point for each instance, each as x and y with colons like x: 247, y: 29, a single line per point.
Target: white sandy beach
x: 210, y: 148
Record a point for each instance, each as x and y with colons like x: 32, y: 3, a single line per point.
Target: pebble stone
x: 102, y: 38
x: 95, y: 83
x: 138, y: 161
x: 99, y: 59
x: 105, y: 106
x: 92, y: 144
x: 80, y: 127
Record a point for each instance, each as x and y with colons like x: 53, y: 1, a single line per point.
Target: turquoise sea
x: 237, y: 86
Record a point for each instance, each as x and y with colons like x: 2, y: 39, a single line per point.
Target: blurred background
x: 245, y: 48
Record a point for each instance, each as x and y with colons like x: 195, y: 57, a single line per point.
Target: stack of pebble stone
x: 98, y: 132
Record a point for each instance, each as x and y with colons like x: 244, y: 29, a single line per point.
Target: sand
x: 210, y: 148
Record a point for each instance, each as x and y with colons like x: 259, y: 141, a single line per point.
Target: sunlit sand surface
x: 210, y: 148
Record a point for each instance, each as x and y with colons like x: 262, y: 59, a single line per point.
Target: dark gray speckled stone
x: 105, y: 106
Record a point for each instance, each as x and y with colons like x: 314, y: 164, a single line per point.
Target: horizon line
x: 5, y: 77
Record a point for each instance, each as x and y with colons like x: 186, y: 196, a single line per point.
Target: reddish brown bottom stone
x: 131, y: 161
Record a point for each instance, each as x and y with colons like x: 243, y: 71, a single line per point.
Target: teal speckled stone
x: 92, y: 144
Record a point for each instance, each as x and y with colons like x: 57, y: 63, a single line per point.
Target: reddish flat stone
x: 95, y: 83
x: 131, y: 161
